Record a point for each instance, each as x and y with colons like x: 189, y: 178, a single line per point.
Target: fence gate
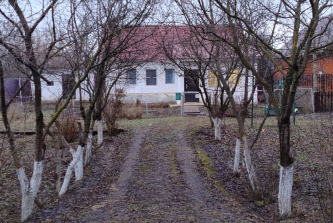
x: 323, y: 101
x: 323, y: 93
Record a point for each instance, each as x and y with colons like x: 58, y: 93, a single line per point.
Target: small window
x: 131, y: 76
x: 151, y: 77
x: 50, y: 83
x: 169, y: 76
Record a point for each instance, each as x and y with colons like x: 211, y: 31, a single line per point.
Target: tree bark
x: 76, y: 156
x: 79, y: 164
x: 286, y: 169
x: 285, y: 190
x: 100, y: 124
x: 29, y: 191
x: 249, y: 165
x: 88, y: 147
x: 241, y: 129
x: 217, y: 127
x: 237, y: 157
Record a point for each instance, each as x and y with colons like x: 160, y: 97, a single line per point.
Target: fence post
x: 182, y: 104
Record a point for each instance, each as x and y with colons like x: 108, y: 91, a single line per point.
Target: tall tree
x: 116, y: 25
x: 18, y: 41
x: 270, y: 24
x: 113, y: 30
x: 206, y: 20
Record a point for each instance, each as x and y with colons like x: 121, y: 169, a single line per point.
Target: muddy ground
x: 172, y: 170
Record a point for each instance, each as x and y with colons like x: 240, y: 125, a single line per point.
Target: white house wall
x: 50, y: 93
x: 161, y: 92
x: 54, y: 92
x: 240, y: 90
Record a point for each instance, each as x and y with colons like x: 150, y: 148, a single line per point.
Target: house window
x: 151, y: 77
x: 169, y: 76
x: 212, y: 79
x: 131, y: 76
x: 233, y: 79
x: 50, y: 83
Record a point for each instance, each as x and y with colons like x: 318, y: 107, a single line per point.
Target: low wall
x: 150, y: 98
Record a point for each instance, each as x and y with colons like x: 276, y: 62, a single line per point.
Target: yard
x: 169, y: 168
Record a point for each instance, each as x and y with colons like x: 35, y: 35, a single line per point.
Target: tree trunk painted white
x: 249, y: 165
x: 285, y: 190
x: 88, y: 147
x: 29, y: 191
x: 217, y: 127
x: 70, y: 168
x: 237, y: 157
x: 79, y: 166
x: 100, y: 124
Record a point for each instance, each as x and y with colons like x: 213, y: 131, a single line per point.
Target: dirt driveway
x: 148, y: 174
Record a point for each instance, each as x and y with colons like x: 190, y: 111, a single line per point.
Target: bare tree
x: 270, y: 24
x: 18, y: 41
x: 112, y: 33
x: 190, y: 49
x: 205, y: 19
x: 117, y: 25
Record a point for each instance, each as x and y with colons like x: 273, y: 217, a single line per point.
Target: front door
x: 191, y: 90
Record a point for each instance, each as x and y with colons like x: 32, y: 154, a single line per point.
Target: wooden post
x: 182, y: 103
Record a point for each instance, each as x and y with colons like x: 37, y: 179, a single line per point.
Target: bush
x: 132, y: 111
x: 69, y: 127
x: 112, y: 113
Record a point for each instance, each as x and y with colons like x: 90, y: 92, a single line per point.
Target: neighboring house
x: 319, y: 64
x: 153, y: 77
x: 12, y: 85
x: 61, y: 83
x: 315, y: 87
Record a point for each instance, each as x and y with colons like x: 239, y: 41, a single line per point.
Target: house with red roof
x: 154, y: 67
x: 161, y: 60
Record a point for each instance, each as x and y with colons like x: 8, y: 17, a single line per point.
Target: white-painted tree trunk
x: 88, y: 147
x: 100, y: 124
x: 237, y: 157
x: 217, y: 127
x: 29, y: 191
x: 249, y: 165
x: 285, y: 190
x: 76, y: 156
x: 79, y: 166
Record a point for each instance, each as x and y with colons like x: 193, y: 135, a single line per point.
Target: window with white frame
x: 169, y: 76
x: 151, y: 77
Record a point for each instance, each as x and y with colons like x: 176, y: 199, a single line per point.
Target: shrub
x: 132, y: 111
x: 69, y: 127
x: 112, y: 112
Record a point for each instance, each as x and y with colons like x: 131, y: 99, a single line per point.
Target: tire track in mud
x: 120, y: 187
x: 162, y: 183
x: 198, y: 195
x: 156, y: 187
x: 202, y: 202
x: 158, y: 181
